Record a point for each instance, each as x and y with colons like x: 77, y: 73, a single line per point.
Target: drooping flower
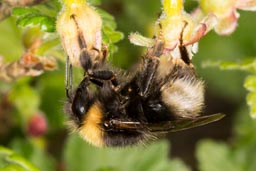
x: 226, y: 12
x: 175, y: 24
x: 76, y: 19
x: 175, y: 21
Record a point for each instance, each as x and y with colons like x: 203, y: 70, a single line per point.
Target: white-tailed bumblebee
x: 110, y: 108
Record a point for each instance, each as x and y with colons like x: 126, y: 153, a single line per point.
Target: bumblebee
x: 111, y: 108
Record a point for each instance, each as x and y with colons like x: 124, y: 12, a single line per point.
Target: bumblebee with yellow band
x: 111, y: 107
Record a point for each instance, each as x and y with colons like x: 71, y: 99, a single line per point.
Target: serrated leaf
x: 33, y: 17
x: 251, y: 101
x: 111, y: 36
x: 30, y: 19
x: 245, y: 64
x: 111, y: 50
x: 214, y: 156
x: 155, y: 157
x: 250, y: 83
x: 10, y: 161
x: 22, y: 11
x: 108, y: 20
x: 49, y: 8
x: 46, y: 23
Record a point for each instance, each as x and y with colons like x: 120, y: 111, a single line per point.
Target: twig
x: 6, y: 6
x: 29, y: 64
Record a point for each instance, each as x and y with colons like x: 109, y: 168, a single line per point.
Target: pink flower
x: 175, y: 24
x: 226, y: 12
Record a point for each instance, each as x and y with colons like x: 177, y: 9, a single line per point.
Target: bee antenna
x: 68, y: 77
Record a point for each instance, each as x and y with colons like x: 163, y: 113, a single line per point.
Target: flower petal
x: 79, y: 26
x: 249, y: 5
x: 197, y: 35
x: 227, y: 24
x: 139, y: 40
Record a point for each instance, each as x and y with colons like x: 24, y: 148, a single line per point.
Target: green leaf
x: 10, y: 39
x: 25, y: 98
x: 35, y: 153
x: 244, y: 140
x: 111, y: 36
x: 10, y: 161
x: 154, y: 157
x: 23, y: 11
x: 108, y: 20
x: 245, y: 64
x: 49, y: 8
x: 251, y: 101
x: 33, y: 17
x: 250, y: 84
x: 94, y: 2
x: 46, y: 23
x: 214, y: 156
x: 52, y: 95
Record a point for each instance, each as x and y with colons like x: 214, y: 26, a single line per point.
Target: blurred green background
x: 229, y: 144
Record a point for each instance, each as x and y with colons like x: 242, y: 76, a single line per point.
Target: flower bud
x: 226, y: 12
x: 37, y: 125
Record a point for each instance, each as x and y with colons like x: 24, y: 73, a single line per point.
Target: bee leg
x: 68, y: 78
x: 96, y: 82
x: 104, y: 75
x: 85, y: 60
x: 158, y: 48
x: 147, y: 76
x: 102, y: 54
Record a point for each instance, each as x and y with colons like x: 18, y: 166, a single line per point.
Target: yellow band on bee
x: 90, y: 129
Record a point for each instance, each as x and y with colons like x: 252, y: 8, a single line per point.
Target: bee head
x: 81, y: 102
x: 86, y: 114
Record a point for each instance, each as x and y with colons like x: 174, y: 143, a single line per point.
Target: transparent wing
x: 182, y: 124
x: 167, y: 126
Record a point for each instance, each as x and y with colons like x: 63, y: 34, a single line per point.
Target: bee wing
x: 167, y: 126
x: 182, y: 124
